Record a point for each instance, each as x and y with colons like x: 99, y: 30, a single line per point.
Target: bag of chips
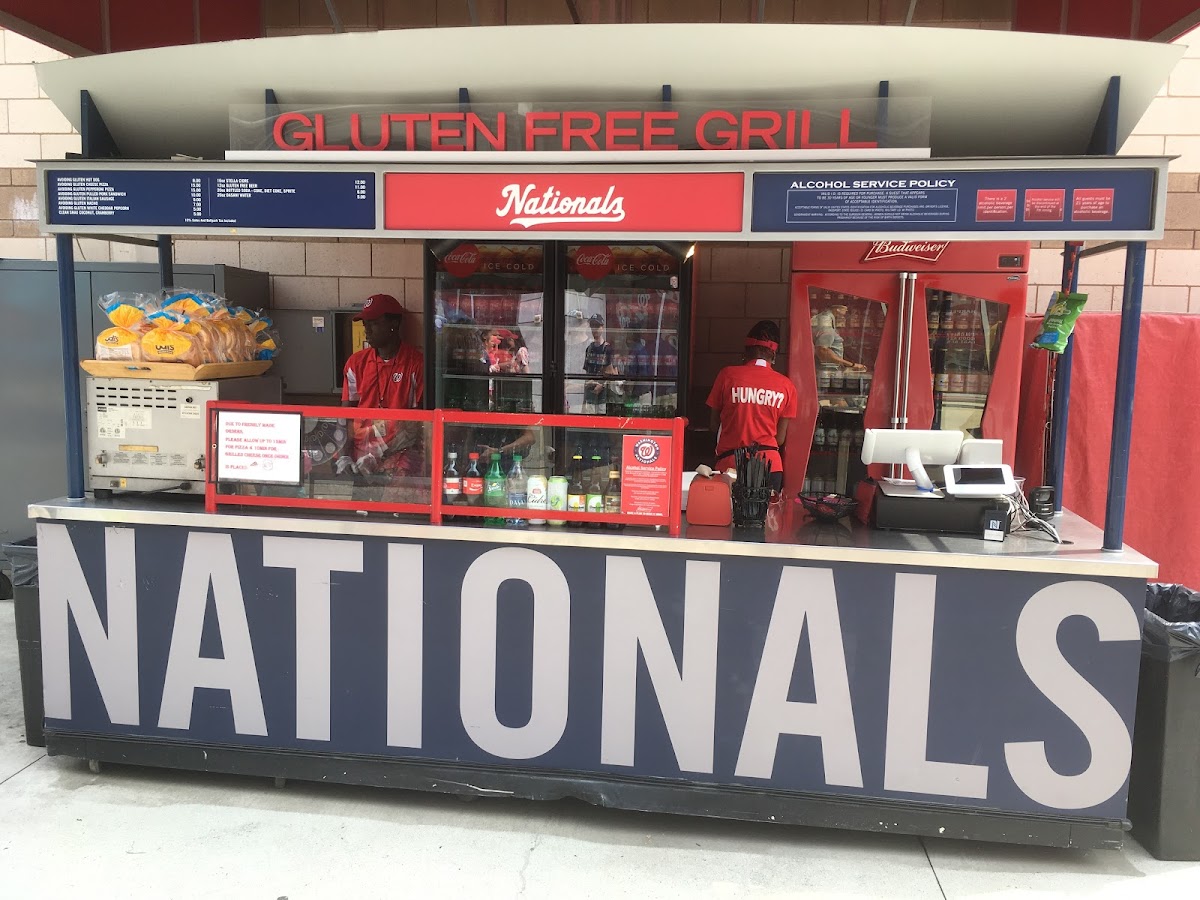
x: 1059, y: 322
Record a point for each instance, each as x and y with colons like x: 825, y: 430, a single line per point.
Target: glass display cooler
x: 901, y: 335
x: 558, y: 328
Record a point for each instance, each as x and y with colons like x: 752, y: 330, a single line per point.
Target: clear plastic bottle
x: 517, y: 491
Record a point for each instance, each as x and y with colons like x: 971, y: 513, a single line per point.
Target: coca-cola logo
x: 462, y: 261
x: 526, y: 207
x: 924, y: 251
x: 594, y: 262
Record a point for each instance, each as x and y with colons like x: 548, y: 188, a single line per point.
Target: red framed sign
x: 321, y: 459
x: 523, y: 202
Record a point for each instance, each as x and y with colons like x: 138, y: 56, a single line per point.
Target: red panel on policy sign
x: 693, y: 203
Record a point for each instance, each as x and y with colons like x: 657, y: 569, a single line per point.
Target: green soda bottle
x: 495, y: 491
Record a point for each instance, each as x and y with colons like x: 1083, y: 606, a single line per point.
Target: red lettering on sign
x: 766, y: 132
x: 295, y: 139
x: 586, y: 132
x: 409, y: 121
x: 653, y: 130
x: 441, y: 131
x: 727, y: 138
x: 533, y: 130
x: 356, y: 138
x: 805, y: 128
x: 614, y: 131
x: 477, y: 129
x: 844, y: 135
x: 322, y: 144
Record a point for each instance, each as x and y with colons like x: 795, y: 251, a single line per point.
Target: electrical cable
x: 1021, y: 518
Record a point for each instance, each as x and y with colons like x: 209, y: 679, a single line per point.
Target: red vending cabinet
x: 901, y: 334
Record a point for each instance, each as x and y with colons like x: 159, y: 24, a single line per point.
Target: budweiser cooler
x: 964, y: 303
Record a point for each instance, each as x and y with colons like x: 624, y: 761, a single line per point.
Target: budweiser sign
x: 524, y: 206
x: 924, y: 251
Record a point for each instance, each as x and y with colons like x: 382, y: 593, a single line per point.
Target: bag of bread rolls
x: 170, y: 339
x: 127, y: 313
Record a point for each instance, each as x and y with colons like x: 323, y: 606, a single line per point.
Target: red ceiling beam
x: 1146, y: 20
x: 80, y: 27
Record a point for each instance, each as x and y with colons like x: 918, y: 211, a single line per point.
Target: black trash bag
x: 23, y: 556
x: 1171, y: 626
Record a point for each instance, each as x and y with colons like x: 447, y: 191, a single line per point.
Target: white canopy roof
x: 995, y: 93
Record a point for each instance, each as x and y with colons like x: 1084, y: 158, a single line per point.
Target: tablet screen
x: 981, y: 475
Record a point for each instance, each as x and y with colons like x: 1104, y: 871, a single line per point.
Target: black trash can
x: 23, y: 556
x: 1164, y: 780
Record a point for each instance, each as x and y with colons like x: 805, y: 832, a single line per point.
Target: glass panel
x: 554, y: 463
x: 964, y: 339
x: 622, y: 329
x: 357, y: 459
x: 846, y: 331
x: 488, y: 313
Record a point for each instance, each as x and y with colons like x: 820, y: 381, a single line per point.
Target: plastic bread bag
x: 192, y: 304
x: 267, y: 344
x: 171, y: 338
x: 1059, y: 322
x: 127, y: 313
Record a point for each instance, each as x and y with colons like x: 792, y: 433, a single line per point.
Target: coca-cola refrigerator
x: 900, y: 334
x: 558, y: 327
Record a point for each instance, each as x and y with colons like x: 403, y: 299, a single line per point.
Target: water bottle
x: 517, y: 490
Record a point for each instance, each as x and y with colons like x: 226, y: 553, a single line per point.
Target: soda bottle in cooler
x: 495, y: 492
x: 517, y: 492
x: 472, y: 482
x: 451, y: 482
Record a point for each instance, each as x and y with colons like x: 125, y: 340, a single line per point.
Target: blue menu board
x: 1067, y: 200
x: 162, y: 198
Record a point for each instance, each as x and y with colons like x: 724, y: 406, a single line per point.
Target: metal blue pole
x: 166, y: 264
x: 68, y: 321
x: 1062, y: 383
x: 1122, y: 433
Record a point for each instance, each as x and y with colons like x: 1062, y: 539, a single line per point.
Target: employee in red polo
x: 752, y: 404
x: 386, y: 374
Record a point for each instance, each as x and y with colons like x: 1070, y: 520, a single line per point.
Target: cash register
x: 965, y: 494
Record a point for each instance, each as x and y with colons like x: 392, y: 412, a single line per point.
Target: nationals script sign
x: 694, y: 203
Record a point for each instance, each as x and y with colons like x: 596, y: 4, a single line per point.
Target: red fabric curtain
x: 1162, y: 509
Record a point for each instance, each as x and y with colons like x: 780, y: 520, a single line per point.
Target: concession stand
x: 303, y: 623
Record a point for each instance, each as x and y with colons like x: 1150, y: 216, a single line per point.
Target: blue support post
x: 166, y: 264
x: 881, y: 118
x: 1062, y: 383
x: 1122, y: 433
x: 68, y: 320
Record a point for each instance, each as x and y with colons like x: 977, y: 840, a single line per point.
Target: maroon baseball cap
x: 378, y: 305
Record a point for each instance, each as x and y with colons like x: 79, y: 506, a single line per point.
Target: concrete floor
x: 132, y: 833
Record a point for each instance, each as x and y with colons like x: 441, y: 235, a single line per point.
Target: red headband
x: 755, y: 342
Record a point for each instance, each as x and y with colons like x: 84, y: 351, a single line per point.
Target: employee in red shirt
x: 386, y: 374
x: 752, y: 403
